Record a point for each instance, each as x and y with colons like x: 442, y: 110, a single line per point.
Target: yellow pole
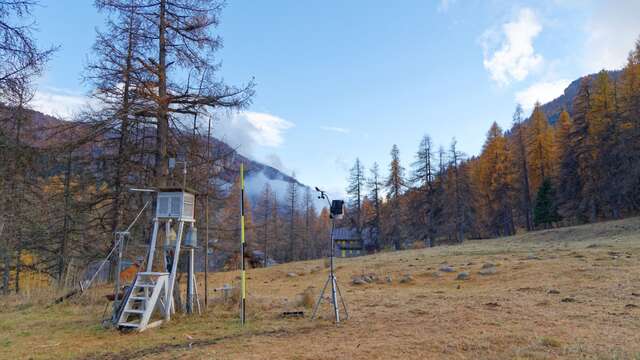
x: 243, y: 277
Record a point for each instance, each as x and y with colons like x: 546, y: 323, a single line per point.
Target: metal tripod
x: 335, y: 290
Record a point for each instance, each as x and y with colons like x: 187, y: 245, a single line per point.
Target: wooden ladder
x: 147, y: 291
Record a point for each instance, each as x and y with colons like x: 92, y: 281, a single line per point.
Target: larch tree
x: 579, y: 163
x: 495, y: 179
x: 375, y: 185
x: 423, y: 177
x: 458, y: 193
x: 395, y: 185
x: 519, y: 149
x: 604, y: 135
x: 423, y: 172
x: 21, y: 61
x: 355, y: 191
x: 539, y: 148
x: 180, y: 66
x: 629, y: 125
x: 292, y: 219
x: 263, y: 217
x: 116, y: 77
x: 309, y: 214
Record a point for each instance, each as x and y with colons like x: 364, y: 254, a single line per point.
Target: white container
x: 176, y: 205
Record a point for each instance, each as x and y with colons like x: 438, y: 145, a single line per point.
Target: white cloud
x: 58, y: 102
x: 611, y: 32
x: 444, y: 5
x: 247, y: 129
x: 515, y: 57
x: 542, y: 92
x: 335, y: 129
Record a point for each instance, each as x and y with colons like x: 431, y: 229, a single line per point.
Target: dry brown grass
x: 591, y: 313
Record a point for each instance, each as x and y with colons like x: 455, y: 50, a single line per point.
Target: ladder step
x: 134, y: 311
x: 129, y: 324
x: 144, y: 285
x: 137, y: 298
x: 152, y: 273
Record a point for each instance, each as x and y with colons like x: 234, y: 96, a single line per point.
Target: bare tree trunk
x: 62, y: 249
x: 7, y: 270
x: 162, y: 136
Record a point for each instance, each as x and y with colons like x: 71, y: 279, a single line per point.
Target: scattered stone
x: 406, y: 279
x: 592, y: 246
x: 631, y: 306
x: 292, y: 274
x: 492, y: 304
x: 463, y: 276
x: 568, y: 300
x: 367, y: 279
x: 434, y: 274
x: 357, y: 280
x: 447, y: 269
x: 533, y: 257
x: 488, y: 265
x: 553, y: 291
x: 635, y: 294
x: 389, y: 279
x: 488, y: 271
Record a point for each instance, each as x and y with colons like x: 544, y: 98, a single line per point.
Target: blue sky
x: 338, y: 80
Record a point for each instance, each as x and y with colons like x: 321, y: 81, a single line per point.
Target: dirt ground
x: 564, y: 293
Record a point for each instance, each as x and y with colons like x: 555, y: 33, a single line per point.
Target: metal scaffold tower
x: 153, y: 291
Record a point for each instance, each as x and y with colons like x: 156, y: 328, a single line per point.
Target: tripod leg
x: 315, y: 309
x: 334, y: 299
x: 344, y: 305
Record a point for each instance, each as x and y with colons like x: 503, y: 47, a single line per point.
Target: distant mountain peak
x: 553, y: 108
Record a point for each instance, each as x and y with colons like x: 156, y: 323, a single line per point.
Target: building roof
x: 344, y: 233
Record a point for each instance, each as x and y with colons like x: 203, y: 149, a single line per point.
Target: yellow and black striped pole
x: 243, y: 276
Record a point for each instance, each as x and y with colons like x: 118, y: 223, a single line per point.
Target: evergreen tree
x: 545, y: 212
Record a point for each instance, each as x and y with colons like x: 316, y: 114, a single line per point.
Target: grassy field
x: 564, y: 293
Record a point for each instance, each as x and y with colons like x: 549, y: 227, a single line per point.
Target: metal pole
x: 190, y: 282
x: 206, y: 218
x: 116, y: 301
x: 206, y: 249
x: 174, y: 269
x: 334, y: 298
x: 152, y: 246
x: 243, y: 277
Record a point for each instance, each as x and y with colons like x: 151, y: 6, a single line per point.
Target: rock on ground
x: 488, y: 271
x: 447, y: 269
x: 405, y: 279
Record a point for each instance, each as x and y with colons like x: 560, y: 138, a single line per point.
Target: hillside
x: 44, y: 130
x: 553, y: 108
x: 571, y: 292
